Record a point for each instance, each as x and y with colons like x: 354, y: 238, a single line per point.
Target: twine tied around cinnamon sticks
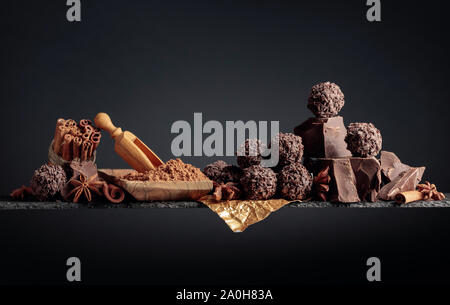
x: 75, y: 141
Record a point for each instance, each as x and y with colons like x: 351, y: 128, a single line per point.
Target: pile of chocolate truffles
x: 343, y: 161
x: 289, y: 179
x: 349, y: 153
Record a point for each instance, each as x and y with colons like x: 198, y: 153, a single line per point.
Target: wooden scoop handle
x: 103, y: 121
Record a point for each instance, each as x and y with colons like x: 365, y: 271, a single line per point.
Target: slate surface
x: 7, y: 204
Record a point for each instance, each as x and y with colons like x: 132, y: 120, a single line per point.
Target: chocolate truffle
x: 325, y: 100
x: 214, y: 170
x: 259, y: 182
x: 290, y: 147
x: 231, y: 173
x: 249, y: 153
x: 47, y: 181
x: 294, y: 182
x: 363, y: 139
x: 222, y: 172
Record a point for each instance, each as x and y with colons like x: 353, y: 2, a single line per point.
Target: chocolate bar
x: 323, y: 137
x: 343, y: 180
x: 352, y: 179
x: 406, y: 181
x: 391, y: 166
x: 368, y: 177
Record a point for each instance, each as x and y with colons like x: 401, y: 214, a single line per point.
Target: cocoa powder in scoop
x: 172, y: 170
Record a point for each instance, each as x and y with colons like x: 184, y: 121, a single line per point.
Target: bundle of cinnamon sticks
x: 74, y: 140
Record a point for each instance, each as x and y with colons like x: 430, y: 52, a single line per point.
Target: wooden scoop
x: 128, y: 146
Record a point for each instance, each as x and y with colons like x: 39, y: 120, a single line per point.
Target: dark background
x: 150, y: 63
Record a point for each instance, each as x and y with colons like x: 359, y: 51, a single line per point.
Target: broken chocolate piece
x: 323, y: 137
x: 343, y: 180
x: 391, y: 166
x: 368, y: 177
x: 406, y: 181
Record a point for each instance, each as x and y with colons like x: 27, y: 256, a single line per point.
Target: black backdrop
x: 150, y: 63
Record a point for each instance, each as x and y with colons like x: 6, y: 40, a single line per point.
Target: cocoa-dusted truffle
x: 47, y: 181
x: 325, y: 100
x: 249, y: 153
x: 290, y: 147
x: 363, y: 139
x: 259, y: 182
x: 222, y: 172
x: 294, y: 182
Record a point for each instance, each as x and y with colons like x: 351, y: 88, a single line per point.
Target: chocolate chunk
x: 323, y: 137
x: 406, y: 181
x: 343, y: 180
x: 368, y: 177
x: 391, y: 166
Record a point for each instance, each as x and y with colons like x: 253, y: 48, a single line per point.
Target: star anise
x: 321, y: 184
x: 430, y: 191
x: 21, y: 193
x: 226, y: 191
x: 84, y: 186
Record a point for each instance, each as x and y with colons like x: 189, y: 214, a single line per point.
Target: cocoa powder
x: 172, y: 170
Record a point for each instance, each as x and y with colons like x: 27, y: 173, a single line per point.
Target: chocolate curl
x: 85, y: 150
x: 95, y: 139
x: 77, y: 142
x: 409, y: 196
x: 84, y: 123
x: 60, y: 132
x: 113, y: 193
x: 67, y: 147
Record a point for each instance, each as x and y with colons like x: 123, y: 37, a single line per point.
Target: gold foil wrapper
x: 239, y: 214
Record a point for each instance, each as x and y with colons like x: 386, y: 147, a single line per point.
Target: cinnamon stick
x: 88, y: 129
x: 76, y: 131
x: 84, y: 123
x: 60, y: 132
x: 67, y: 147
x: 86, y: 150
x: 60, y: 122
x: 95, y: 139
x: 77, y: 142
x: 409, y: 196
x: 70, y: 123
x: 86, y: 136
x: 113, y: 193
